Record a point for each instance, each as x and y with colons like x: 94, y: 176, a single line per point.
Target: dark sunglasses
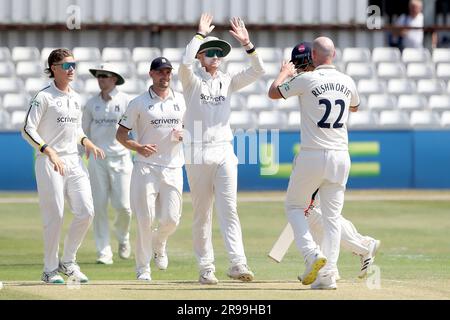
x: 104, y: 75
x: 214, y: 52
x: 67, y: 65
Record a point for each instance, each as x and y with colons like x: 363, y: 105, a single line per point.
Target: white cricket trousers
x: 213, y: 175
x: 110, y: 179
x: 155, y: 192
x: 52, y: 189
x: 351, y: 240
x: 327, y: 170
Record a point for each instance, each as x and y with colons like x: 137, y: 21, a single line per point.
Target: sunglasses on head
x: 213, y: 52
x: 67, y: 65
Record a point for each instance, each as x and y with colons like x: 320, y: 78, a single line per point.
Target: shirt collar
x: 112, y: 93
x: 70, y: 93
x: 325, y: 66
x: 153, y: 94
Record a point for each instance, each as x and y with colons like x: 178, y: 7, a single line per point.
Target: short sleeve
x: 130, y: 116
x: 293, y: 87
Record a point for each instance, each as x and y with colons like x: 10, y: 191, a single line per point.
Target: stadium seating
x: 401, y: 86
x: 370, y: 86
x: 445, y: 119
x: 294, y: 120
x: 7, y: 69
x: 365, y: 119
x: 243, y: 120
x: 390, y: 70
x: 87, y: 54
x: 394, y: 119
x: 116, y: 54
x: 439, y: 102
x: 144, y: 54
x: 386, y: 54
x: 358, y: 70
x: 5, y: 54
x: 420, y: 55
x: 441, y: 55
x: 378, y: 102
x: 356, y: 55
x: 15, y: 101
x: 25, y: 54
x: 429, y: 87
x: 405, y: 84
x: 424, y: 119
x: 410, y: 102
x: 272, y: 120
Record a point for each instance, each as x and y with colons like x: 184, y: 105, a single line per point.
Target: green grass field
x: 414, y: 259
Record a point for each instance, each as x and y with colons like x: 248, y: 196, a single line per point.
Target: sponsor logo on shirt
x: 165, y: 123
x: 206, y: 99
x: 117, y: 108
x: 105, y: 121
x: 66, y: 120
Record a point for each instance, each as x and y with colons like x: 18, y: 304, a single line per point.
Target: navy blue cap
x: 160, y: 63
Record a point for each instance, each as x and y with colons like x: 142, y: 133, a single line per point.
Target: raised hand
x: 239, y: 31
x: 288, y: 69
x: 204, y: 26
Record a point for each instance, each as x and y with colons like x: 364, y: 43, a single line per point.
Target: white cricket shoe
x: 52, y: 277
x: 104, y: 259
x: 313, y: 265
x: 336, y: 274
x: 368, y: 259
x: 208, y: 277
x: 324, y: 282
x: 241, y: 272
x: 72, y: 270
x: 143, y: 276
x: 125, y: 250
x: 161, y: 260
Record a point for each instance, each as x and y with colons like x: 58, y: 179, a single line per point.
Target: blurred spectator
x: 407, y: 38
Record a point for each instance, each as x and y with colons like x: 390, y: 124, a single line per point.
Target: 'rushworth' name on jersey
x: 317, y: 91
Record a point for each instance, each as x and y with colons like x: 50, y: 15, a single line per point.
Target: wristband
x: 43, y: 147
x: 250, y: 51
x: 244, y: 45
x: 82, y: 139
x: 200, y: 35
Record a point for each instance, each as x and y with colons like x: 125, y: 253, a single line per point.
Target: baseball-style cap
x: 107, y: 68
x: 301, y: 55
x: 160, y: 63
x: 215, y: 43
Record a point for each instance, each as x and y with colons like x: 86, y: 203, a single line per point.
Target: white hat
x: 108, y: 68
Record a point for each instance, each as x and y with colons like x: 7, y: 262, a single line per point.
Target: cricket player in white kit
x: 364, y: 246
x: 156, y: 118
x: 53, y: 128
x: 110, y: 177
x: 326, y: 96
x: 211, y: 164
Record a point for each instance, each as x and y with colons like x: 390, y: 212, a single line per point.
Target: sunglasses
x: 213, y: 52
x: 104, y: 75
x: 67, y: 65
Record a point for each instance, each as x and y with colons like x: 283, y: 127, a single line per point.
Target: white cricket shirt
x: 54, y: 118
x: 207, y: 98
x: 325, y: 96
x: 152, y: 120
x: 100, y: 121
